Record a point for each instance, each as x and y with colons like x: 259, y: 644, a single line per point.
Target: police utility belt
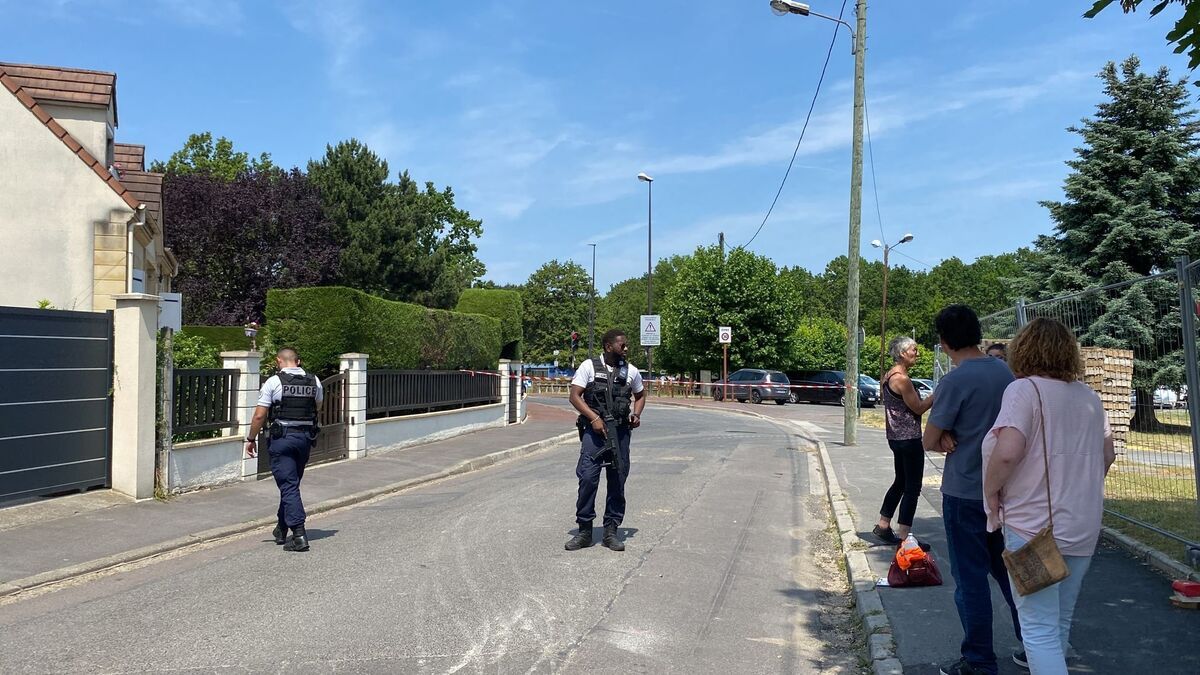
x: 297, y: 406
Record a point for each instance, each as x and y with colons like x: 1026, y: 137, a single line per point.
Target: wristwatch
x: 251, y: 440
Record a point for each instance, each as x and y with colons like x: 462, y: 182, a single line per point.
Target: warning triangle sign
x: 650, y: 328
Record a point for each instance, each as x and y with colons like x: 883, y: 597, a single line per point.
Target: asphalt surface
x: 729, y: 569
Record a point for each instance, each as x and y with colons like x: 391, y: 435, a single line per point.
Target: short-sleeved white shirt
x: 586, y: 373
x: 272, y: 391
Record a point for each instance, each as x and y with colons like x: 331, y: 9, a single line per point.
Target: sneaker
x: 1020, y: 660
x: 960, y: 667
x: 886, y: 534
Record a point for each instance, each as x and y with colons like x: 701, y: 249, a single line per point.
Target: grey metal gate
x: 55, y: 401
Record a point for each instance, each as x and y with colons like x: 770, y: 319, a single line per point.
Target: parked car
x: 1165, y: 398
x: 829, y: 386
x: 924, y: 387
x: 755, y: 385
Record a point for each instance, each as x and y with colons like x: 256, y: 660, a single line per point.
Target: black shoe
x: 581, y: 540
x: 610, y: 539
x: 886, y: 534
x: 1020, y: 659
x: 280, y: 534
x: 299, y: 540
x: 960, y: 667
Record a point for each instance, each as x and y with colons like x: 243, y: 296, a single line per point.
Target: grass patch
x: 1163, y: 496
x: 873, y: 418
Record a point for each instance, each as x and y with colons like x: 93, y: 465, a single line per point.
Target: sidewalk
x: 58, y: 539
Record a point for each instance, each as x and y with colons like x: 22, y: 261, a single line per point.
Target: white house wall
x: 87, y: 124
x: 49, y: 204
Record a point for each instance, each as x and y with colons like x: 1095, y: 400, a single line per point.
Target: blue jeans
x: 588, y: 473
x: 1046, y: 615
x: 974, y: 554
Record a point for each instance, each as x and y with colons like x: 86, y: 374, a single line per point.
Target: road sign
x: 724, y: 335
x: 651, y: 330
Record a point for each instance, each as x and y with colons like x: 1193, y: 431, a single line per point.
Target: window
x: 779, y: 378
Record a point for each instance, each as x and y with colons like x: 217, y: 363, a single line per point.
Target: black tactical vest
x: 299, y: 400
x: 622, y: 391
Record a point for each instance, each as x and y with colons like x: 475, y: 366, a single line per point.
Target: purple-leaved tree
x: 237, y: 239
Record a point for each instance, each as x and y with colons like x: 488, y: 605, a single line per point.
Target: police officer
x: 609, y: 395
x: 288, y: 401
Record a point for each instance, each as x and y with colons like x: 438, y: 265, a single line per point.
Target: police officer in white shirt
x: 289, y: 402
x: 609, y: 395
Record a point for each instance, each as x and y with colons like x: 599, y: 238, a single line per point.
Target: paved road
x: 729, y: 568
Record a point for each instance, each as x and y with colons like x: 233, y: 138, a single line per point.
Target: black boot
x: 299, y: 540
x: 280, y: 534
x: 581, y: 540
x: 610, y: 538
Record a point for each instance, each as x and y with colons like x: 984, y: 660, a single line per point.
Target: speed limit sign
x: 724, y: 335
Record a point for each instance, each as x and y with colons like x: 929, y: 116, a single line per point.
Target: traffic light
x: 574, y: 339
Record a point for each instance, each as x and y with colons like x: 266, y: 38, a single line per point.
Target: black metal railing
x: 392, y: 392
x: 203, y: 400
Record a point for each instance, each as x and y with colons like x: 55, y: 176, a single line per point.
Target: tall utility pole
x: 721, y: 241
x: 883, y: 319
x: 592, y: 306
x: 850, y: 423
x: 649, y: 261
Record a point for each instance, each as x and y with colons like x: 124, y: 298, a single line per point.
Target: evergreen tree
x: 1132, y: 205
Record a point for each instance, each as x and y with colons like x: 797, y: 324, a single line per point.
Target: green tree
x: 743, y: 292
x: 625, y: 303
x: 398, y: 241
x: 1185, y: 34
x: 818, y: 343
x: 1132, y: 204
x: 555, y: 302
x: 200, y: 154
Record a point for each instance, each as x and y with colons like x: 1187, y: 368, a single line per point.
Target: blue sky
x: 541, y: 114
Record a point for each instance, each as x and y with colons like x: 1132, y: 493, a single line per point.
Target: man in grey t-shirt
x: 967, y: 403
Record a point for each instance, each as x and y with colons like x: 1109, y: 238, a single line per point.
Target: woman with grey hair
x: 902, y: 408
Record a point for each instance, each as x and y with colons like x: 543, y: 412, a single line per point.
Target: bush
x: 221, y: 338
x: 499, y: 304
x: 323, y: 323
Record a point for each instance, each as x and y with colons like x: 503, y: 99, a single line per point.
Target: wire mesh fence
x: 1137, y: 358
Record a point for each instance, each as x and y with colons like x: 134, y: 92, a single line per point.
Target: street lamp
x: 883, y: 322
x: 859, y: 35
x: 592, y: 306
x: 649, y: 260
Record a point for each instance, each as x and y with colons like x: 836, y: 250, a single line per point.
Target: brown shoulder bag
x: 1038, y: 564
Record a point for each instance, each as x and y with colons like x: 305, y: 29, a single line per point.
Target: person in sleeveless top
x: 902, y: 408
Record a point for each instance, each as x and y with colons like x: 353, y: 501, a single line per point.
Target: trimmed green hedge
x: 503, y: 305
x: 323, y: 323
x: 222, y: 338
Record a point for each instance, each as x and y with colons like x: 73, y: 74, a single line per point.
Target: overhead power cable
x: 807, y: 118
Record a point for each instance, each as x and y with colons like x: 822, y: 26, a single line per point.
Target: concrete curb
x: 147, y: 552
x: 1151, y: 556
x: 876, y: 624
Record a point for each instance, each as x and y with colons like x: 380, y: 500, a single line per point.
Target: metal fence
x: 1139, y: 342
x: 391, y: 392
x: 203, y: 400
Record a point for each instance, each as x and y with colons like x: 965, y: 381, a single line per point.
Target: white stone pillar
x: 135, y: 325
x: 245, y: 398
x: 506, y: 373
x: 517, y: 369
x: 355, y: 367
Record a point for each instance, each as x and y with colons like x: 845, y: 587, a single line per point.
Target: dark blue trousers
x: 289, y: 455
x: 975, y: 554
x: 588, y: 473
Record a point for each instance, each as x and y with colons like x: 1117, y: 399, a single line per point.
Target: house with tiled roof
x: 80, y: 216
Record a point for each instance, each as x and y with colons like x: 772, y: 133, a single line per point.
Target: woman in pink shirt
x: 1045, y: 358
